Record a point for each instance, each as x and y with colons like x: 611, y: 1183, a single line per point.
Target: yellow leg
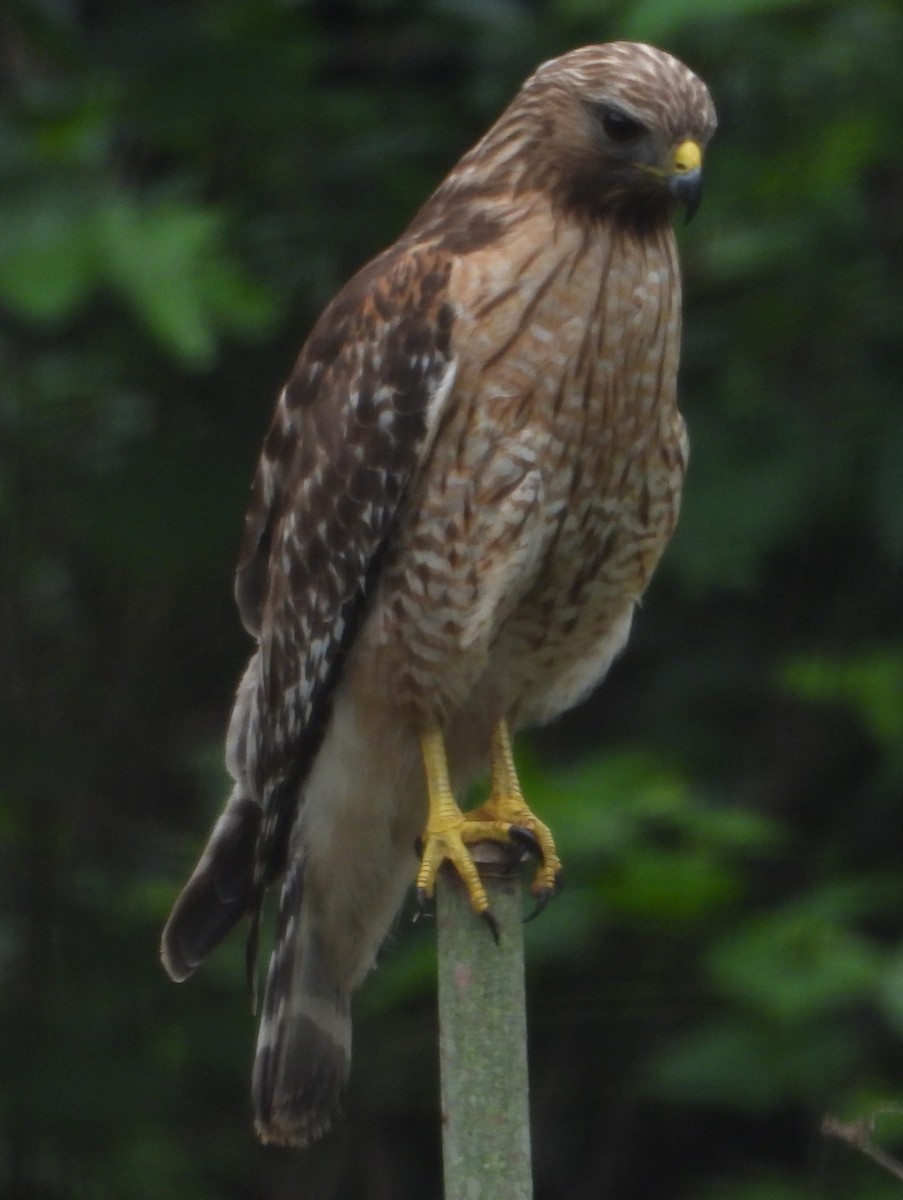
x: 507, y: 807
x: 449, y: 831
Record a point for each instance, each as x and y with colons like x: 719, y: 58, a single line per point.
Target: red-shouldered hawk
x: 470, y: 477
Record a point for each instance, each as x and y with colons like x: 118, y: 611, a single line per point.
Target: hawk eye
x: 621, y: 128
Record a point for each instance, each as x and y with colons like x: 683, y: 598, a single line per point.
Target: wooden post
x: 483, y: 1037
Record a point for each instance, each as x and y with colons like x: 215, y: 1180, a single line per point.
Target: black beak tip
x: 687, y: 189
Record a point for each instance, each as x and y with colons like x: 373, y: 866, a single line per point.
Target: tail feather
x: 219, y: 892
x: 304, y: 1043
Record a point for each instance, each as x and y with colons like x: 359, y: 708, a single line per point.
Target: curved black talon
x: 525, y: 840
x: 492, y: 923
x: 542, y: 899
x: 422, y: 899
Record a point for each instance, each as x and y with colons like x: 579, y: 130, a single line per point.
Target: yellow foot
x: 449, y: 832
x: 506, y: 808
x: 510, y: 813
x: 504, y: 818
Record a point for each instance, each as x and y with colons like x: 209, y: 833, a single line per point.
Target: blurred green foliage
x: 183, y: 185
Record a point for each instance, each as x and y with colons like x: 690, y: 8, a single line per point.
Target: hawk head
x: 633, y: 123
x: 612, y: 131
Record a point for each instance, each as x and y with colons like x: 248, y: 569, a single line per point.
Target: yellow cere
x: 686, y: 157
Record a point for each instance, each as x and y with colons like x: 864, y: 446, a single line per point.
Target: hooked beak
x: 685, y: 176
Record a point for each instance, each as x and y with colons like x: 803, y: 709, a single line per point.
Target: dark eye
x: 621, y: 128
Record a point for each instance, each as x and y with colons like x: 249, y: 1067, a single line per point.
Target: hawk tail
x: 219, y: 892
x: 304, y: 1043
x: 222, y: 887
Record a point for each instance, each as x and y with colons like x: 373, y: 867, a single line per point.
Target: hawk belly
x: 553, y: 485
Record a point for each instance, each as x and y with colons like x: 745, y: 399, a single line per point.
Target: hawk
x: 469, y: 479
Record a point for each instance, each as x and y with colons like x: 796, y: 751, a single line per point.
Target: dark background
x: 182, y: 187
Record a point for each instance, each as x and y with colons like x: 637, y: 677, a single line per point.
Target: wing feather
x: 351, y: 427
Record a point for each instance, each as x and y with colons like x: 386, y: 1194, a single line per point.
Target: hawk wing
x: 351, y: 427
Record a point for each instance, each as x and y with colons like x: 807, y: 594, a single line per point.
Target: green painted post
x: 483, y: 1038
